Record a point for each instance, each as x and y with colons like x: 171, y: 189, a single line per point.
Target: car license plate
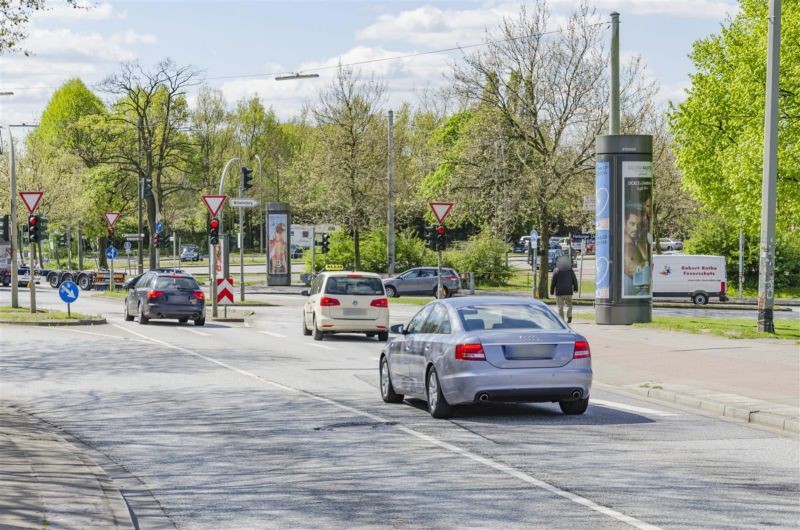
x: 178, y: 299
x: 521, y: 352
x: 350, y: 312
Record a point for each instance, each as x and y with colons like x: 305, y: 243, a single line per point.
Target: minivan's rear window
x: 176, y: 282
x: 354, y: 286
x: 507, y: 316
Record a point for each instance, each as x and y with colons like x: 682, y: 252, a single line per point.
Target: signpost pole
x: 241, y: 248
x: 439, y: 275
x: 580, y: 274
x: 111, y: 274
x: 313, y: 251
x: 214, y: 281
x: 33, y: 278
x: 69, y: 315
x: 741, y: 258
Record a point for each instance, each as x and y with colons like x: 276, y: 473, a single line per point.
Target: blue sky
x: 231, y: 38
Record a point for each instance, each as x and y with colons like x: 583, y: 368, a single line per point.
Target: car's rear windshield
x: 355, y: 285
x: 176, y: 282
x: 507, y: 316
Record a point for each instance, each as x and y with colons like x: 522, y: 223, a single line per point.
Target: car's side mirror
x: 305, y: 292
x: 398, y: 329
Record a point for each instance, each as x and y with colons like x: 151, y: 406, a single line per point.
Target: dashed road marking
x: 271, y: 334
x: 629, y: 408
x: 503, y: 468
x: 201, y: 333
x: 321, y: 346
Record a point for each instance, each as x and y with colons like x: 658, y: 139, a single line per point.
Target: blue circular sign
x: 127, y: 245
x: 68, y: 291
x: 111, y: 253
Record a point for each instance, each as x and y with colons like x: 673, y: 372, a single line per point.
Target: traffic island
x: 232, y: 315
x: 23, y: 317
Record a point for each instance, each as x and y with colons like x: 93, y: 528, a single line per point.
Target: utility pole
x: 614, y: 121
x: 12, y: 220
x: 80, y: 249
x: 766, y: 266
x: 741, y: 262
x: 390, y: 207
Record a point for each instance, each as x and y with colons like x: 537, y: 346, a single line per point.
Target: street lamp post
x: 12, y: 228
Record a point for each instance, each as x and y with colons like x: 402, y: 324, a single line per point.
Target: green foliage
x: 485, y: 256
x: 341, y: 252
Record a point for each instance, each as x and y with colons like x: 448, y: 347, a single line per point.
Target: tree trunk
x: 102, y: 243
x: 543, y: 288
x: 356, y: 250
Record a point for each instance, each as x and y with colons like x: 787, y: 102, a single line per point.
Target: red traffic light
x: 32, y: 220
x: 213, y: 223
x: 440, y: 230
x: 111, y: 231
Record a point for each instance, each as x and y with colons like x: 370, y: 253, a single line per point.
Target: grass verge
x: 23, y: 314
x: 732, y: 328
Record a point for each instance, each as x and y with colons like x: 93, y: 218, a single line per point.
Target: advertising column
x: 623, y: 229
x: 279, y: 264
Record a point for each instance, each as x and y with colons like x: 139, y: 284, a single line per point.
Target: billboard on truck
x: 685, y: 275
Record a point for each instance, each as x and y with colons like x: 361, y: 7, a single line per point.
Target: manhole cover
x: 350, y: 424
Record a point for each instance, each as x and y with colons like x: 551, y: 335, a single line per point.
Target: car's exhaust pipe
x: 576, y: 394
x: 483, y: 397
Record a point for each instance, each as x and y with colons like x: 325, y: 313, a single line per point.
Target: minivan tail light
x: 380, y: 302
x: 722, y: 287
x: 326, y: 301
x: 470, y: 352
x: 152, y: 295
x: 200, y: 295
x: 581, y: 350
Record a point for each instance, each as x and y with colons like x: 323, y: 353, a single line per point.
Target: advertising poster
x: 602, y: 241
x: 277, y: 225
x: 637, y: 192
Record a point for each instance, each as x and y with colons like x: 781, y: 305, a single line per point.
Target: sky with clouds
x: 240, y: 46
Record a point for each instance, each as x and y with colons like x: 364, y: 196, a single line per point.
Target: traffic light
x: 147, y: 187
x: 213, y: 230
x: 62, y: 240
x: 43, y: 228
x: 247, y: 178
x: 33, y: 228
x: 430, y: 237
x: 325, y: 243
x: 164, y: 241
x: 5, y: 227
x: 441, y: 242
x: 157, y: 240
x: 111, y: 236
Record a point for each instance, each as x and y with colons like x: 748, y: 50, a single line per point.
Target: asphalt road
x: 257, y: 426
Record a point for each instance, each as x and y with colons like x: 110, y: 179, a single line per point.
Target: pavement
x: 48, y: 481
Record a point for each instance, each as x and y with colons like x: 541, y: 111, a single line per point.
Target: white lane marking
x: 104, y: 335
x: 322, y: 346
x: 201, y: 333
x: 246, y: 324
x: 629, y: 408
x: 271, y: 334
x: 503, y: 468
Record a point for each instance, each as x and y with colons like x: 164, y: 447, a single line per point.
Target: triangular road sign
x: 441, y: 209
x: 111, y: 217
x: 214, y: 203
x: 31, y: 199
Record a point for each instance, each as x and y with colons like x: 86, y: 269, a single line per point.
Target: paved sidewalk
x: 752, y: 380
x: 48, y: 483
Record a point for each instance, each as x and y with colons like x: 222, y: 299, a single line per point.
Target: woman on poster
x: 277, y: 250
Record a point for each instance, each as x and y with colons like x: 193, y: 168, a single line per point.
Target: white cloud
x: 132, y: 37
x: 86, y: 11
x: 65, y: 44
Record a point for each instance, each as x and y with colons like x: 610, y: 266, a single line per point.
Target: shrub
x: 483, y: 255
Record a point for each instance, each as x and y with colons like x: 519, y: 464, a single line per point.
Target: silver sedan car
x: 475, y: 349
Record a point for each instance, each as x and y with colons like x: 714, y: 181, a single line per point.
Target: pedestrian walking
x: 563, y: 284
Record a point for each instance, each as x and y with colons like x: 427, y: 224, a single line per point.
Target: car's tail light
x: 470, y: 352
x: 581, y: 350
x: 326, y: 301
x: 722, y: 287
x: 200, y: 295
x: 380, y: 302
x: 153, y: 295
x: 449, y: 277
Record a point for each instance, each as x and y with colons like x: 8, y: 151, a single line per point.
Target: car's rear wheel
x: 700, y: 298
x: 574, y: 408
x: 437, y: 404
x: 200, y: 321
x: 306, y: 331
x: 142, y: 318
x: 128, y: 317
x: 387, y: 389
x: 317, y: 333
x: 85, y: 282
x: 445, y: 292
x: 52, y: 279
x: 383, y: 336
x: 391, y: 292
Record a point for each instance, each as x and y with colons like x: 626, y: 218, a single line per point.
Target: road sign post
x: 440, y: 211
x: 68, y: 292
x: 224, y: 293
x: 214, y: 204
x: 111, y: 219
x: 31, y: 200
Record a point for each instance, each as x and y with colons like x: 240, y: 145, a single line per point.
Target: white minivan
x: 698, y: 277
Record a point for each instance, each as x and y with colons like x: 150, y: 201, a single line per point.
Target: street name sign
x: 132, y: 237
x: 441, y: 209
x: 224, y: 291
x: 111, y: 217
x: 214, y: 203
x: 243, y: 202
x: 31, y: 199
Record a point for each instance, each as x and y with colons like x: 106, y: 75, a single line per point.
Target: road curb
x: 84, y: 322
x: 780, y: 417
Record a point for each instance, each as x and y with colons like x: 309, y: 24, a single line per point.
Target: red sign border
x: 25, y: 202
x: 446, y: 213
x: 214, y: 213
x: 110, y: 224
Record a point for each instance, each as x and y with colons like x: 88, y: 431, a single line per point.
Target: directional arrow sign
x: 441, y: 209
x: 241, y: 202
x: 224, y: 291
x: 111, y: 253
x: 68, y: 292
x: 111, y: 217
x: 214, y: 203
x: 159, y: 226
x: 31, y: 199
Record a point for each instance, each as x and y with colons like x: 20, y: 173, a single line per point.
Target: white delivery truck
x: 684, y: 275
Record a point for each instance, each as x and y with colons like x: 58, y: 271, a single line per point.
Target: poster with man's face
x: 278, y: 253
x: 637, y: 192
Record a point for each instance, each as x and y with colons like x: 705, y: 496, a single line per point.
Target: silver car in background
x: 475, y: 349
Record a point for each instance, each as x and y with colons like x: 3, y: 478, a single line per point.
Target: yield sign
x: 214, y: 203
x: 31, y: 199
x: 111, y: 217
x: 441, y: 209
x: 224, y: 291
